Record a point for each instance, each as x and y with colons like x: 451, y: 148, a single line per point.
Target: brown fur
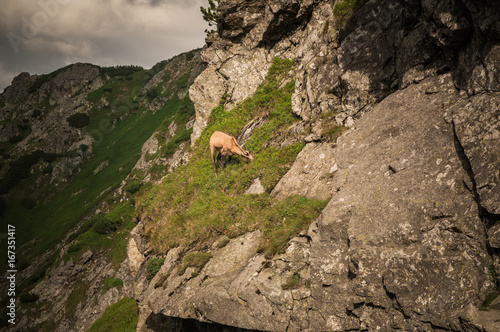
x: 226, y: 146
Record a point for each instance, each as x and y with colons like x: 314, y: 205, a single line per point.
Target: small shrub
x: 75, y: 247
x: 28, y: 297
x: 153, y: 266
x: 492, y: 273
x: 88, y: 224
x: 28, y: 203
x: 152, y: 93
x: 133, y: 187
x: 485, y: 306
x: 72, y: 154
x: 84, y: 147
x: 162, y: 281
x: 15, y: 139
x: 36, y: 113
x: 50, y: 157
x: 78, y: 120
x: 107, y: 226
x: 23, y: 126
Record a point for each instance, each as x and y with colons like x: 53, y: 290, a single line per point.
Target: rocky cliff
x: 409, y: 238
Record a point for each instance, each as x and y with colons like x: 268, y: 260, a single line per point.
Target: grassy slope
x: 193, y: 207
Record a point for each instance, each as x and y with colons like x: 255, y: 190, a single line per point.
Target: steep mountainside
x: 71, y: 147
x: 371, y: 203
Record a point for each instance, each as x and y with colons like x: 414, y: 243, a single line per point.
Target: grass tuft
x: 197, y: 260
x: 121, y: 316
x: 344, y: 10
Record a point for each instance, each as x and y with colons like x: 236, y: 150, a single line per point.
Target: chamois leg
x: 222, y: 161
x: 213, y: 161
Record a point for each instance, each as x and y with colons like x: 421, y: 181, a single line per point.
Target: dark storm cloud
x: 39, y: 36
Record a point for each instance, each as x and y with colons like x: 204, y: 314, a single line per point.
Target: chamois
x: 226, y: 146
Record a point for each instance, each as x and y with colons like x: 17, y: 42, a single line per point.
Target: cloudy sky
x: 39, y: 36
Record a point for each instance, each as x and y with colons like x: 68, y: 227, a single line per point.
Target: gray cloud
x: 39, y: 36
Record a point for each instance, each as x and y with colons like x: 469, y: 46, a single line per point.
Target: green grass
x: 195, y: 259
x: 193, y: 207
x: 153, y: 265
x: 119, y: 317
x: 344, y: 10
x: 77, y: 296
x: 115, y: 242
x: 292, y: 282
x: 112, y: 283
x: 488, y: 300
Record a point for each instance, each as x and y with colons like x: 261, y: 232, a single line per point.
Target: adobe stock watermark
x: 32, y: 25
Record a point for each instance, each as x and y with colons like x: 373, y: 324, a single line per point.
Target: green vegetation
x: 28, y: 203
x: 210, y: 14
x: 492, y: 273
x: 193, y: 207
x: 488, y: 300
x: 119, y: 134
x: 120, y: 121
x: 119, y: 317
x: 19, y: 170
x: 344, y: 10
x: 196, y: 260
x: 78, y: 295
x: 133, y: 187
x: 153, y: 266
x: 112, y: 283
x: 292, y: 282
x: 120, y: 71
x: 107, y: 226
x: 105, y: 232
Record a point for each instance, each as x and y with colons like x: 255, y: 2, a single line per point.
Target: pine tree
x: 210, y: 14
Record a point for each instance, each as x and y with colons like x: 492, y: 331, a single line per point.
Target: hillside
x: 72, y: 147
x: 371, y: 202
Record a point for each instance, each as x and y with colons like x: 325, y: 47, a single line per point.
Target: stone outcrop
x: 312, y: 174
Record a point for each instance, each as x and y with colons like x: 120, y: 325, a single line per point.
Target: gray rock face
x: 477, y: 126
x: 312, y: 175
x: 409, y: 246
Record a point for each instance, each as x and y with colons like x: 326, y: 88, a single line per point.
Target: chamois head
x: 246, y: 154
